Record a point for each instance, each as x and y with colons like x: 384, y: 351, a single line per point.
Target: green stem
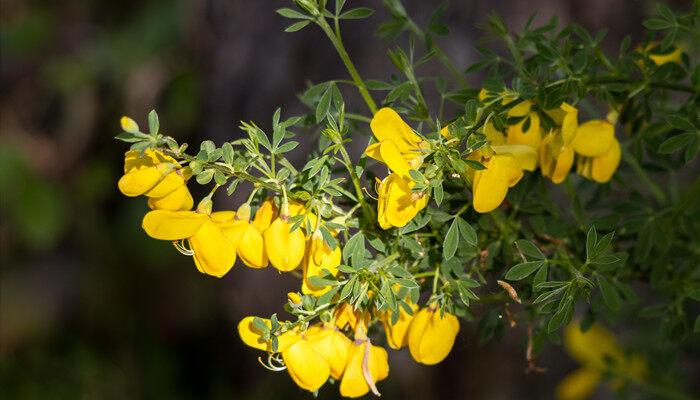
x: 653, y: 187
x: 366, y: 209
x: 337, y: 42
x: 439, y: 54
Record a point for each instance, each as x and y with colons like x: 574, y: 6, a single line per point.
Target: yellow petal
x: 307, y: 368
x: 251, y: 247
x: 170, y: 182
x: 490, y: 186
x: 532, y: 137
x: 593, y: 138
x: 319, y: 257
x: 331, y: 345
x: 179, y: 200
x: 214, y: 254
x: 397, y: 334
x: 431, y: 337
x: 346, y: 316
x: 569, y: 125
x: 173, y: 225
x: 604, y: 166
x: 393, y: 158
x: 265, y: 214
x: 400, y: 204
x: 578, y: 385
x: 521, y: 109
x: 354, y: 384
x: 296, y: 208
x: 526, y: 156
x: 494, y: 136
x: 139, y: 181
x: 252, y: 336
x: 285, y: 249
x: 388, y: 125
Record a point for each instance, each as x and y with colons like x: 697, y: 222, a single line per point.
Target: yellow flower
x: 285, y: 249
x: 307, y: 368
x: 265, y: 214
x: 672, y: 55
x: 157, y: 176
x: 319, y: 256
x: 531, y: 137
x: 603, y: 167
x: 593, y: 138
x: 346, y: 315
x: 367, y: 364
x: 397, y: 333
x: 399, y: 147
x: 310, y: 218
x: 398, y: 204
x: 430, y: 336
x: 598, y: 352
x: 213, y: 251
x: 490, y: 185
x: 555, y: 160
x: 331, y: 345
x: 248, y: 240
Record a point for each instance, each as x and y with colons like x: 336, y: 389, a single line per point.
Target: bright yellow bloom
x: 598, y: 352
x: 285, y: 249
x: 367, y: 364
x: 490, y: 185
x: 399, y: 147
x: 294, y: 298
x: 397, y: 334
x: 673, y: 55
x: 306, y: 367
x: 555, y: 160
x: 213, y: 250
x: 531, y: 137
x: 248, y: 239
x: 157, y: 176
x: 430, y: 336
x: 331, y: 345
x: 319, y: 256
x: 265, y: 214
x: 310, y: 218
x: 603, y: 167
x: 398, y: 204
x: 346, y: 315
x: 593, y: 138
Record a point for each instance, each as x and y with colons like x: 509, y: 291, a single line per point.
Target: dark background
x: 92, y: 308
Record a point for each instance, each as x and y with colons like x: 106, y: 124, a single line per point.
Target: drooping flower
x: 332, y: 345
x: 346, y: 316
x: 401, y: 150
x: 397, y: 333
x: 431, y: 336
x: 597, y: 351
x: 527, y: 131
x: 366, y: 365
x: 557, y: 151
x: 319, y: 256
x: 600, y: 151
x: 265, y: 214
x: 250, y: 246
x: 213, y: 250
x: 490, y: 185
x: 397, y: 203
x: 284, y: 248
x: 157, y: 176
x: 308, y: 369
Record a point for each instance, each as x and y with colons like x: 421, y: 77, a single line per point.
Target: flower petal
x: 214, y: 254
x: 387, y: 124
x: 172, y: 225
x: 179, y: 200
x: 594, y: 138
x: 306, y: 367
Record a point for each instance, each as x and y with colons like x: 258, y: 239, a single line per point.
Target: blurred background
x: 90, y: 307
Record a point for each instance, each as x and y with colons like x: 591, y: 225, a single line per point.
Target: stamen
x: 180, y: 246
x: 274, y: 363
x: 365, y: 370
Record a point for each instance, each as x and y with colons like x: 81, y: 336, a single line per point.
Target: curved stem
x: 337, y: 42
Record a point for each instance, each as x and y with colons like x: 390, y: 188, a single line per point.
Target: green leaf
x: 529, y: 249
x: 289, y: 146
x: 357, y: 13
x: 291, y: 13
x: 323, y: 105
x: 656, y: 24
x: 591, y: 240
x: 561, y: 317
x: 610, y: 294
x: 297, y: 26
x: 523, y: 270
x: 438, y: 193
x: 451, y: 240
x: 677, y: 142
x: 153, y: 123
x: 205, y: 177
x: 227, y: 149
x: 467, y: 231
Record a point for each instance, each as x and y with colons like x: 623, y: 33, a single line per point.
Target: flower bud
x: 431, y: 336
